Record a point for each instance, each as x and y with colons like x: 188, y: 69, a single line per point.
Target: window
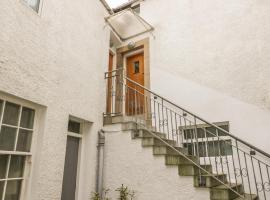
x: 205, y: 131
x: 210, y: 148
x: 16, y: 130
x: 136, y: 67
x: 219, y: 147
x: 207, y: 140
x: 34, y: 4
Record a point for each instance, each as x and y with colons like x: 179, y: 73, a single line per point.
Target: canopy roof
x: 128, y: 24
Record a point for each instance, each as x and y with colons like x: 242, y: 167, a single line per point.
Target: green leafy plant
x: 97, y: 196
x: 125, y: 193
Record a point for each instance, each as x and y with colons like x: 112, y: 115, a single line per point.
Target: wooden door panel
x: 135, y: 94
x: 109, y: 89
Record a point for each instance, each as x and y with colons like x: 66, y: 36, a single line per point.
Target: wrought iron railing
x: 243, y: 163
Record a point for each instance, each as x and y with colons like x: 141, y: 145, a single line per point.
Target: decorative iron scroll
x: 241, y: 172
x: 163, y: 122
x: 263, y: 187
x: 221, y: 162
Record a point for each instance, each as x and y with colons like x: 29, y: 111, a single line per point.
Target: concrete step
x: 222, y: 192
x: 180, y: 160
x: 192, y: 170
x: 146, y: 142
x: 248, y: 197
x: 142, y: 133
x: 117, y: 119
x: 165, y: 150
x: 208, y: 181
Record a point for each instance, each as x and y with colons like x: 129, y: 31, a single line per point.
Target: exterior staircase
x: 216, y: 159
x: 188, y: 165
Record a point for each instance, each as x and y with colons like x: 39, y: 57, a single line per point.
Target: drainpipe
x: 100, y: 161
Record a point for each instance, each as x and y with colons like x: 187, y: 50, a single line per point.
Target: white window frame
x: 26, y: 177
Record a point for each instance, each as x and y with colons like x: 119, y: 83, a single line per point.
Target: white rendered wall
x: 128, y: 163
x: 57, y: 59
x: 212, y: 57
x: 222, y: 45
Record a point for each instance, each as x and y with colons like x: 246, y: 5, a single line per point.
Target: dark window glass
x: 216, y: 148
x: 189, y: 148
x: 2, y: 183
x: 225, y: 127
x: 16, y: 167
x: 200, y: 133
x: 24, y: 140
x: 3, y: 166
x: 188, y: 134
x: 225, y: 147
x: 211, y: 132
x: 74, y: 126
x: 136, y: 67
x: 202, y: 149
x: 13, y: 190
x: 27, y: 118
x: 1, y: 108
x: 7, y: 138
x: 11, y: 114
x: 212, y: 148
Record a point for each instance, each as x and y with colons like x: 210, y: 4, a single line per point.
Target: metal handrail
x: 130, y: 98
x: 194, y: 163
x: 200, y: 118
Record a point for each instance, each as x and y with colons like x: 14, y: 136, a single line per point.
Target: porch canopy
x: 128, y: 24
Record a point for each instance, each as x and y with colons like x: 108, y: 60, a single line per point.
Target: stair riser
x: 209, y: 181
x: 179, y: 160
x: 191, y: 170
x: 155, y: 142
x: 162, y: 150
x: 145, y: 134
x: 224, y: 194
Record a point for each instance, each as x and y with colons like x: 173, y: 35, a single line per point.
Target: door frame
x: 126, y: 57
x: 80, y: 137
x: 122, y: 53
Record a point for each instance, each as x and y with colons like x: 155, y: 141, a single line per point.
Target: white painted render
x: 212, y: 57
x: 128, y: 163
x: 57, y: 59
x: 222, y: 45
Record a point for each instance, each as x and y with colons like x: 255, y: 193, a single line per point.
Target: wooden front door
x: 109, y: 90
x: 135, y: 94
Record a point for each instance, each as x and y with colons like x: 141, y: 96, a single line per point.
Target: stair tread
x: 208, y: 175
x: 232, y: 185
x: 247, y: 197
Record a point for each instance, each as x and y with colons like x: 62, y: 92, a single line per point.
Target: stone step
x: 165, y: 150
x: 142, y: 133
x: 222, y: 192
x: 248, y: 197
x: 180, y: 160
x: 147, y: 142
x: 117, y: 119
x: 192, y: 170
x: 207, y: 180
